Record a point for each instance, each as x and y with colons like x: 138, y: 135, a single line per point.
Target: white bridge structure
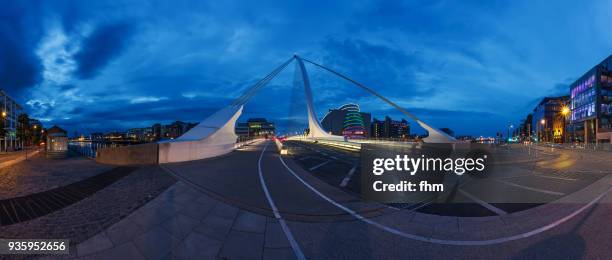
x: 215, y: 135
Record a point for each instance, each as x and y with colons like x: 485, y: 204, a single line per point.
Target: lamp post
x: 564, y: 112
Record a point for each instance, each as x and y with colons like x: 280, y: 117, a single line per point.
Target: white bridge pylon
x: 315, y: 130
x: 215, y: 135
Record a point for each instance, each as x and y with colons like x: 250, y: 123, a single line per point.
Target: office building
x: 144, y: 134
x: 591, y: 105
x: 255, y: 127
x: 10, y: 112
x: 390, y: 128
x: 548, y: 119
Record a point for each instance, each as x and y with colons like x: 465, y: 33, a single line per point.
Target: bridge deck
x: 234, y: 179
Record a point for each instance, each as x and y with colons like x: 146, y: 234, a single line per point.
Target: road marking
x: 530, y: 188
x: 348, y: 176
x: 294, y: 245
x: 319, y: 165
x: 444, y: 241
x: 483, y: 203
x: 305, y: 158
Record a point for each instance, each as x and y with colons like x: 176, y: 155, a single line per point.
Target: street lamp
x: 565, y: 110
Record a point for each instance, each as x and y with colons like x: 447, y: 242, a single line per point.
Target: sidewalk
x: 183, y: 223
x: 10, y: 158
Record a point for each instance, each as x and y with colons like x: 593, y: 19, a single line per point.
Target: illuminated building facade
x: 255, y: 127
x: 591, y: 105
x: 348, y: 121
x: 548, y: 119
x: 353, y: 125
x: 10, y: 111
x: 390, y: 128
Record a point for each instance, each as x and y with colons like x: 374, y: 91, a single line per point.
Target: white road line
x: 348, y: 176
x: 444, y: 241
x: 530, y: 188
x: 319, y: 165
x: 305, y: 158
x: 294, y: 245
x: 483, y: 203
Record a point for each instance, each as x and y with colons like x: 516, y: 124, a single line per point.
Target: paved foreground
x: 273, y: 209
x: 72, y: 198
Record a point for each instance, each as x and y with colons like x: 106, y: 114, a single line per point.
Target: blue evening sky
x: 473, y: 66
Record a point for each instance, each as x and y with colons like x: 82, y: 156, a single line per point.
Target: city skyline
x: 91, y: 72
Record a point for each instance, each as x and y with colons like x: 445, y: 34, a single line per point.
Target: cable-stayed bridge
x: 215, y: 135
x: 252, y: 202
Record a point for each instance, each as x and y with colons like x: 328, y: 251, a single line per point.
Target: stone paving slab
x: 242, y: 245
x: 215, y: 227
x: 250, y: 222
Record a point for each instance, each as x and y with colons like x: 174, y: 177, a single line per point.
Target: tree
x: 23, y: 127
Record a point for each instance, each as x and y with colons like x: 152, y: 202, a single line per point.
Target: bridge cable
x: 251, y: 91
x: 363, y: 87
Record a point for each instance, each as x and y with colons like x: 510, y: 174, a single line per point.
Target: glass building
x: 591, y: 105
x: 348, y: 121
x: 10, y: 112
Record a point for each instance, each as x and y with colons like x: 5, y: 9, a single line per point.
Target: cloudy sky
x: 473, y: 67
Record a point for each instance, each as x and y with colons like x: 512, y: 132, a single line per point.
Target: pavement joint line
x: 555, y: 177
x: 319, y: 165
x: 444, y: 241
x: 348, y: 176
x: 530, y: 188
x: 483, y: 203
x: 294, y: 245
x: 537, y: 175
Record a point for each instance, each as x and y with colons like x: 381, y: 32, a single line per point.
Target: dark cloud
x: 431, y: 18
x: 121, y: 115
x: 375, y: 65
x: 562, y: 88
x: 19, y: 33
x: 105, y: 43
